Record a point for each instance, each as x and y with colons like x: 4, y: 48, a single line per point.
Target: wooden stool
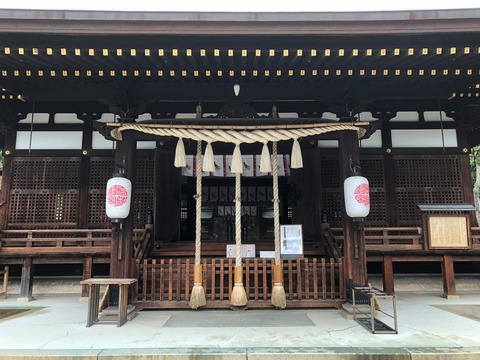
x: 94, y: 294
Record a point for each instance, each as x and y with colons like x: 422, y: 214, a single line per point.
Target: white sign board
x: 248, y: 251
x: 291, y: 241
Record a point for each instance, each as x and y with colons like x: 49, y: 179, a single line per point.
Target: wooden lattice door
x: 44, y: 192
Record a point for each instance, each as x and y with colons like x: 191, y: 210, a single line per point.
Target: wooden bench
x: 4, y: 272
x: 94, y: 298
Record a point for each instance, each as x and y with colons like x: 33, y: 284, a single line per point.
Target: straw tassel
x: 116, y: 134
x: 180, y: 157
x: 208, y: 159
x: 237, y: 161
x: 239, y: 295
x: 265, y: 161
x: 197, y: 298
x: 279, y: 299
x: 297, y: 161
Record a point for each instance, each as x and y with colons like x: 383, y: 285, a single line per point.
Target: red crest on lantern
x: 357, y: 196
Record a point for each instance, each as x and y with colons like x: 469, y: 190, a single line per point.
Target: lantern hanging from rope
x: 118, y: 197
x: 357, y: 195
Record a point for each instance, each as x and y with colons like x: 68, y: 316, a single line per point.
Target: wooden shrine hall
x: 233, y: 138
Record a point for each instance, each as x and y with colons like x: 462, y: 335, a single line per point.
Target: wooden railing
x: 308, y: 282
x: 61, y: 242
x: 388, y: 238
x: 54, y: 241
x: 475, y: 235
x: 394, y: 238
x: 332, y: 244
x: 142, y: 247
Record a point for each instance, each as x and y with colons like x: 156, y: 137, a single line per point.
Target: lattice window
x: 45, y: 173
x: 330, y: 173
x: 373, y: 170
x: 425, y: 180
x: 331, y: 196
x: 378, y: 214
x: 101, y: 170
x: 44, y: 192
x: 143, y: 200
x: 331, y: 203
x: 427, y: 171
x: 408, y: 212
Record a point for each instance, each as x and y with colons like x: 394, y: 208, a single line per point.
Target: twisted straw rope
x: 238, y: 220
x: 198, y: 224
x: 235, y: 136
x: 276, y: 211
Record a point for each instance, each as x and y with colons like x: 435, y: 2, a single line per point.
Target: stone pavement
x: 430, y: 327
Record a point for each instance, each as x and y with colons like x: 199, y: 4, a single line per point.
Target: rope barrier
x: 244, y: 135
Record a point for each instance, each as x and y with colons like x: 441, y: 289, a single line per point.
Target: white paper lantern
x: 118, y: 197
x: 357, y: 196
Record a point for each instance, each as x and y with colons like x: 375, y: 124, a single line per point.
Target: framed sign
x: 448, y: 232
x: 291, y: 241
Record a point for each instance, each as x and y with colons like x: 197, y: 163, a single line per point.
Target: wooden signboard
x: 291, y: 241
x: 448, y: 232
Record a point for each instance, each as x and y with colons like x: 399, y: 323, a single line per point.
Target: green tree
x: 474, y: 162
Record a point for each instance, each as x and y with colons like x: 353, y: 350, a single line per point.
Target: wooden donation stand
x: 94, y: 298
x: 374, y: 319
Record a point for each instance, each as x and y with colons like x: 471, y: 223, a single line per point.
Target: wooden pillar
x: 448, y: 275
x: 7, y: 178
x: 355, y: 258
x: 84, y: 176
x: 87, y: 273
x: 26, y: 284
x: 391, y: 203
x: 121, y: 260
x: 387, y: 274
x: 166, y: 211
x: 83, y: 193
x: 308, y: 208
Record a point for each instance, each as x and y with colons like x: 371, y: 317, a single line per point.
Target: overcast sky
x: 240, y: 5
